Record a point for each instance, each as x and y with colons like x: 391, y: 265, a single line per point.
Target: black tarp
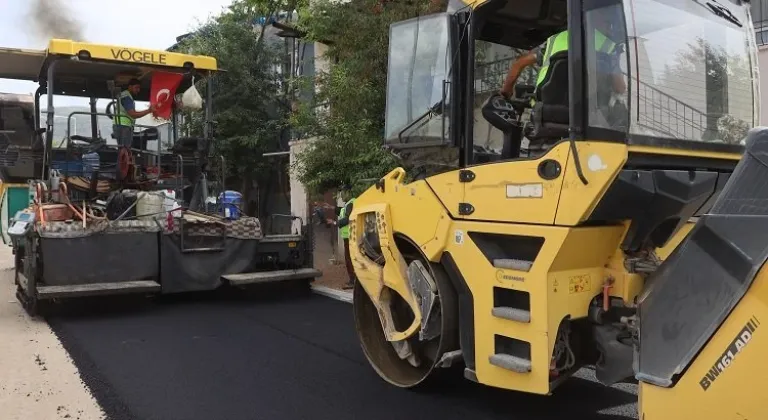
x: 100, y: 258
x: 199, y: 271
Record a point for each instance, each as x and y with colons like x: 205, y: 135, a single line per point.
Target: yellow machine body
x: 723, y: 381
x: 65, y: 47
x: 571, y: 268
x: 528, y: 267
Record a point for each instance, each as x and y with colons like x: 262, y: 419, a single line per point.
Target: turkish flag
x: 162, y: 92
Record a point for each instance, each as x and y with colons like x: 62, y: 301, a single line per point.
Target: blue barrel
x: 230, y: 204
x: 91, y: 162
x: 70, y: 168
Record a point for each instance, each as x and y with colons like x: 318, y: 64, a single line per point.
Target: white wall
x: 298, y: 191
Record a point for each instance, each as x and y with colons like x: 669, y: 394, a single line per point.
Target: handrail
x: 273, y: 216
x: 69, y: 129
x: 664, y: 112
x: 102, y: 114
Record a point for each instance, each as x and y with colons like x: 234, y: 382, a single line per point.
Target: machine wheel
x: 381, y: 354
x: 18, y: 258
x: 30, y: 304
x: 124, y: 163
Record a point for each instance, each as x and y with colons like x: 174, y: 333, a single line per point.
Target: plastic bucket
x: 230, y: 204
x: 171, y: 205
x: 151, y: 205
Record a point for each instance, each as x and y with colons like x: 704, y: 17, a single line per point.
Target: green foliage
x: 727, y: 103
x: 247, y: 100
x: 348, y: 147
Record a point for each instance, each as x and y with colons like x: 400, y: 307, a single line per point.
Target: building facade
x: 760, y: 21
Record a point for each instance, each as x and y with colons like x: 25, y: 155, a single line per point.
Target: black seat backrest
x: 554, y: 88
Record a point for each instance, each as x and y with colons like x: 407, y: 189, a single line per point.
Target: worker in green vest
x: 498, y: 108
x: 343, y: 224
x: 541, y: 54
x: 126, y: 114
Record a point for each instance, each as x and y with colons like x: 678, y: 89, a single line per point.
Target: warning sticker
x: 580, y: 283
x: 458, y: 237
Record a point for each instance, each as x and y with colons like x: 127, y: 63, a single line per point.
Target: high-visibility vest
x: 559, y: 42
x: 345, y: 229
x: 121, y: 116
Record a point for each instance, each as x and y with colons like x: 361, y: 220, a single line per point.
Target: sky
x: 150, y: 24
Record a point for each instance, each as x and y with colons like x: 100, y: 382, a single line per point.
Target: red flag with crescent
x: 162, y: 92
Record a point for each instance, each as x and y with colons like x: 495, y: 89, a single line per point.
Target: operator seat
x: 551, y: 111
x: 141, y: 138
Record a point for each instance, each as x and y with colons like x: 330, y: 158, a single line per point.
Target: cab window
x: 492, y: 62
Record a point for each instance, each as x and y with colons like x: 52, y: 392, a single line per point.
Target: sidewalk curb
x: 333, y: 293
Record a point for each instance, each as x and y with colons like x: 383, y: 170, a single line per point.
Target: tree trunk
x: 264, y: 193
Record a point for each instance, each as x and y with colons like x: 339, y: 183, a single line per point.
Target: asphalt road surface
x: 276, y: 356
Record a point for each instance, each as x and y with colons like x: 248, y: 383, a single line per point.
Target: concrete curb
x: 333, y: 293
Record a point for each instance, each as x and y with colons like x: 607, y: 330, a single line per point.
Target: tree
x: 727, y: 89
x: 347, y: 115
x: 248, y: 99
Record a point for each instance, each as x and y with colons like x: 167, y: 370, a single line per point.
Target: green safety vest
x: 121, y: 116
x: 345, y: 229
x: 559, y: 42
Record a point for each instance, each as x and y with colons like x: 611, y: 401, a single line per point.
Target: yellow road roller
x: 609, y: 212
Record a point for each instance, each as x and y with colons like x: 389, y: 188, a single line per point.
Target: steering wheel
x: 84, y: 139
x: 110, y: 109
x: 500, y: 113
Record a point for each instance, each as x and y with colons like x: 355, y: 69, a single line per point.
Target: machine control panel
x: 22, y: 222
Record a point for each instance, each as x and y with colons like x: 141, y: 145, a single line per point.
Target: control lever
x: 520, y: 104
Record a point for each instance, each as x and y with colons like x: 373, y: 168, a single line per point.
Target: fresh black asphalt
x: 275, y: 356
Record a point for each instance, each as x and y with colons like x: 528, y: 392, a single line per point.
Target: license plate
x: 291, y: 244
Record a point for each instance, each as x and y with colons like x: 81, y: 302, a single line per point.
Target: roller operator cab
x: 523, y: 235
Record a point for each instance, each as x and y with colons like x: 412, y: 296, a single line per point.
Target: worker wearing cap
x: 126, y: 114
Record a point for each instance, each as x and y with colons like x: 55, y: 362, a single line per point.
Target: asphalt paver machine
x: 108, y: 220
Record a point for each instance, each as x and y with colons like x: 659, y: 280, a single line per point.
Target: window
x: 691, y: 71
x: 419, y: 64
x: 761, y: 35
x: 760, y: 20
x: 607, y: 81
x: 492, y: 62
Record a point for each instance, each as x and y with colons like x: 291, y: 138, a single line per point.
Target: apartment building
x: 760, y: 21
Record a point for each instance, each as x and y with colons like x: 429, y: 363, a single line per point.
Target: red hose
x: 64, y: 189
x: 606, y: 299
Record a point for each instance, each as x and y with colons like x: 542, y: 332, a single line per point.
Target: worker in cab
x: 555, y: 44
x: 343, y: 223
x: 126, y: 114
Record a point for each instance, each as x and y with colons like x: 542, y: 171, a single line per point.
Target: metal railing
x: 490, y: 76
x: 655, y: 109
x: 662, y: 112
